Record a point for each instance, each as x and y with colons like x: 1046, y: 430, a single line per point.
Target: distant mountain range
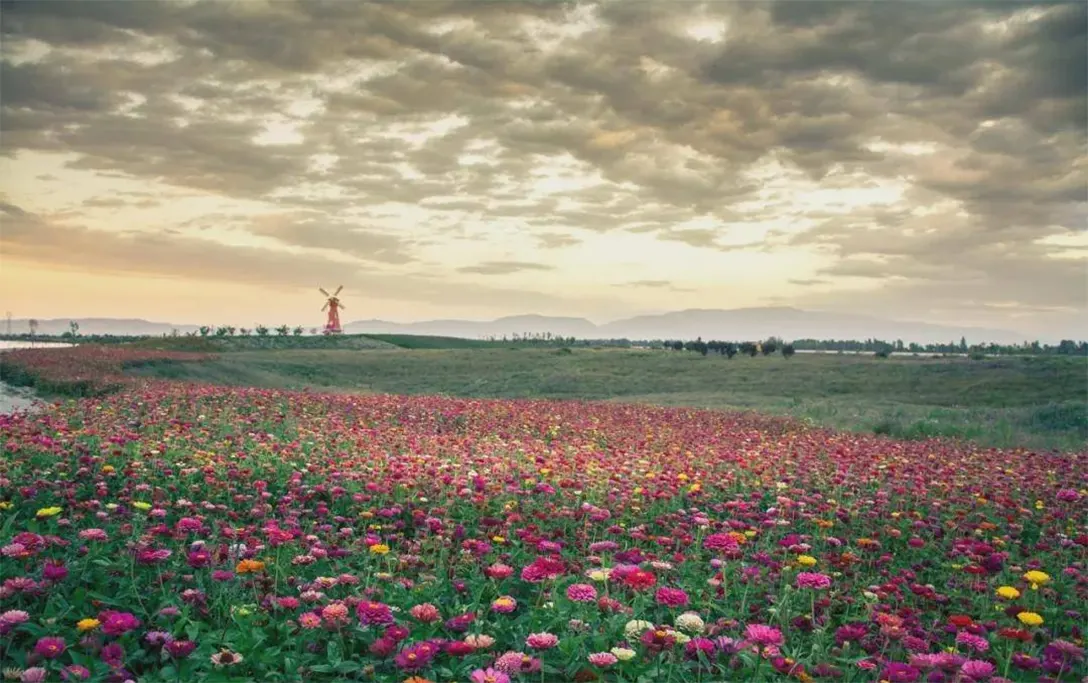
x: 736, y: 324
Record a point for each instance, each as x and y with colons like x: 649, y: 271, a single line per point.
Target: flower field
x: 173, y: 532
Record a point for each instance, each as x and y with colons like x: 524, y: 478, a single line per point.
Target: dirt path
x: 13, y: 399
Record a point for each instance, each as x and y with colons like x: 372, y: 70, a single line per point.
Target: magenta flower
x: 813, y: 580
x: 720, y: 543
x: 374, y: 613
x: 180, y: 649
x: 977, y: 670
x: 50, y: 647
x: 415, y: 657
x: 54, y: 570
x: 117, y: 623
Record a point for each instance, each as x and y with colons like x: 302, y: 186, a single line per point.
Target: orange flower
x: 418, y: 679
x: 249, y: 566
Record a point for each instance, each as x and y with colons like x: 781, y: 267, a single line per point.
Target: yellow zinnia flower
x: 5, y: 504
x: 87, y: 624
x: 379, y: 549
x: 1036, y: 578
x: 1008, y: 592
x: 1030, y: 619
x: 140, y: 505
x: 806, y: 560
x: 49, y: 512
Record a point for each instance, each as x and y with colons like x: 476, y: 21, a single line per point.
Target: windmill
x: 333, y: 305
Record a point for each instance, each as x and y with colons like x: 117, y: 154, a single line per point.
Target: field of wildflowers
x: 177, y: 532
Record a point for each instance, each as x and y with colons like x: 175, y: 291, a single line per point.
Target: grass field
x: 1034, y: 402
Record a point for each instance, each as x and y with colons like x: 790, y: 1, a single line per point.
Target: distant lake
x: 30, y: 345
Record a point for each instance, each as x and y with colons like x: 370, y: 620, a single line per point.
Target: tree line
x: 766, y: 347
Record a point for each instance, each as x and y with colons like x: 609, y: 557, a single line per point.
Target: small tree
x: 33, y: 326
x: 231, y: 330
x: 729, y: 349
x: 221, y: 331
x: 244, y: 331
x: 769, y: 347
x: 73, y: 328
x: 283, y: 330
x: 788, y: 350
x: 298, y: 331
x: 205, y: 330
x: 262, y: 331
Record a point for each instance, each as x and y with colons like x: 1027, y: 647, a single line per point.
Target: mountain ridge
x: 734, y: 324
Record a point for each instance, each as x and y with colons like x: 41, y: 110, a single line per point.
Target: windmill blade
x: 325, y: 307
x: 342, y: 307
x: 322, y: 290
x: 338, y: 290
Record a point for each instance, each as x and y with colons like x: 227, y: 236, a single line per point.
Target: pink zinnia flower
x: 499, y: 571
x: 488, y: 675
x: 720, y: 542
x: 504, y: 604
x: 14, y: 617
x: 602, y: 660
x: 425, y: 612
x: 977, y: 670
x: 696, y: 646
x: 763, y: 635
x: 581, y: 592
x: 510, y: 662
x: 813, y: 580
x: 671, y: 597
x: 976, y: 643
x: 309, y: 620
x: 542, y: 641
x: 188, y: 525
x: 34, y: 674
x: 374, y: 613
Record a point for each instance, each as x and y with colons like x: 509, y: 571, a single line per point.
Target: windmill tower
x: 333, y: 306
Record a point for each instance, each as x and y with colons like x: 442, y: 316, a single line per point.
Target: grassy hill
x: 1038, y: 402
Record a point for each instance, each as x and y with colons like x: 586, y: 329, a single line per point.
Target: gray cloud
x: 556, y: 240
x: 502, y: 267
x: 978, y: 109
x: 309, y: 231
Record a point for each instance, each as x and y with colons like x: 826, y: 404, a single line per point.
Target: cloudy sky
x: 217, y: 162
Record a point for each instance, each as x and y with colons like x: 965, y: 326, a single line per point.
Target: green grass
x: 1032, y: 402
x: 419, y: 341
x: 256, y: 343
